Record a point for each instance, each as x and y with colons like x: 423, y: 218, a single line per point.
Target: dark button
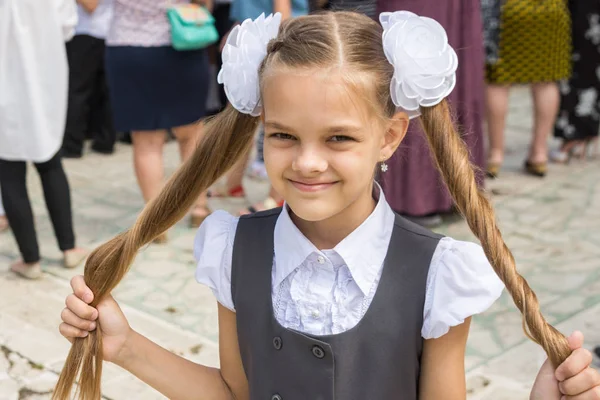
x: 318, y: 352
x: 277, y: 343
x: 276, y: 397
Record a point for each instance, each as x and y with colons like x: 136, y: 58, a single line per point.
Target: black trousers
x: 89, y: 112
x: 223, y: 24
x: 18, y: 208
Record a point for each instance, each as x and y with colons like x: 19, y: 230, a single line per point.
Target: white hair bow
x: 424, y: 63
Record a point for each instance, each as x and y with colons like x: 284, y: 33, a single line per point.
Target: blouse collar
x: 363, y: 250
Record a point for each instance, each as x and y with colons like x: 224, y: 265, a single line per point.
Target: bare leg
x: 188, y: 137
x: 546, y: 100
x: 148, y: 161
x: 496, y: 110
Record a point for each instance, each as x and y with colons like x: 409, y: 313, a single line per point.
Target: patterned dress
x: 535, y: 42
x: 579, y: 116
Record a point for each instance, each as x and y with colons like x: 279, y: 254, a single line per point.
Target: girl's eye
x: 341, y: 138
x: 282, y: 136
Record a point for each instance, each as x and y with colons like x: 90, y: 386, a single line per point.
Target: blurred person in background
x: 154, y: 89
x: 578, y: 119
x: 535, y: 41
x: 33, y: 103
x: 89, y: 105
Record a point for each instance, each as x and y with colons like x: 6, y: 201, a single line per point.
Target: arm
x: 443, y: 365
x: 181, y: 379
x: 88, y: 5
x: 284, y: 7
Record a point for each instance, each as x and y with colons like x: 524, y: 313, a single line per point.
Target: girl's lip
x: 311, y: 187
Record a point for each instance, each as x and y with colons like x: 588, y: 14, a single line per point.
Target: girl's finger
x: 575, y: 340
x: 580, y: 383
x: 579, y: 360
x: 70, y: 332
x: 81, y: 290
x: 79, y: 308
x: 592, y: 394
x: 70, y: 318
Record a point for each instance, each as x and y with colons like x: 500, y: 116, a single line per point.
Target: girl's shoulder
x: 213, y: 250
x: 461, y: 283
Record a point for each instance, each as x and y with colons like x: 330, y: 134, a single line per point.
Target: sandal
x: 493, y: 169
x: 72, y: 258
x: 568, y: 150
x: 29, y: 271
x: 237, y: 191
x: 196, y: 219
x: 268, y: 204
x: 4, y: 225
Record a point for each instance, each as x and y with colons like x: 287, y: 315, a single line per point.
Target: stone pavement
x: 551, y: 225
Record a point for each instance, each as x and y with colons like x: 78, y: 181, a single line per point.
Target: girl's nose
x: 309, y: 160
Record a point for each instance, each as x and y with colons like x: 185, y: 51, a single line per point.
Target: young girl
x: 332, y: 296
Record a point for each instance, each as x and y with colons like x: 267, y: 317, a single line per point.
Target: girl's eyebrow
x: 336, y: 129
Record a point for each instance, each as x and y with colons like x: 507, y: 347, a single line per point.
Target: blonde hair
x: 351, y: 42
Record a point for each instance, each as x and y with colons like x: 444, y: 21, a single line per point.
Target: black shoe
x: 68, y: 154
x: 102, y: 150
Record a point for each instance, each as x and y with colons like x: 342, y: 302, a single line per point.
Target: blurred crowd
x: 106, y: 71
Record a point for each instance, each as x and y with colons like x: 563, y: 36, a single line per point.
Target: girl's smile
x: 309, y: 186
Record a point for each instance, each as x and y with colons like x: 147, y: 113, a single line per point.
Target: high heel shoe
x: 568, y: 150
x: 538, y: 169
x: 493, y: 169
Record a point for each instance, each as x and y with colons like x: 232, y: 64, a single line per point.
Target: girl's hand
x: 79, y: 319
x: 574, y: 379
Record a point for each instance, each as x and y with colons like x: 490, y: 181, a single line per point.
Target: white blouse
x: 322, y: 292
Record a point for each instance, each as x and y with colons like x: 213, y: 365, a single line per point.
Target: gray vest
x: 377, y: 359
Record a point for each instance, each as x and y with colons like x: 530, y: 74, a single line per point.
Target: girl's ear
x: 397, y: 128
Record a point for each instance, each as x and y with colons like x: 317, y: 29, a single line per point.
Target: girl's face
x: 323, y: 142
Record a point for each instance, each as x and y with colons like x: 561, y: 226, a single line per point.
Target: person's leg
x: 496, y: 110
x: 546, y: 100
x: 82, y: 72
x: 57, y: 195
x: 15, y: 198
x: 106, y: 135
x: 187, y: 137
x: 148, y: 161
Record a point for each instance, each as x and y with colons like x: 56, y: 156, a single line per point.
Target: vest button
x: 276, y: 397
x: 318, y: 352
x: 277, y: 343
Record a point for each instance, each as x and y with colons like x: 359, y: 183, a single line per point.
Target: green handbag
x: 192, y: 27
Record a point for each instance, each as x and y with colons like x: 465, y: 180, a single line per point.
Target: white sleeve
x: 460, y: 284
x: 213, y: 249
x: 67, y: 17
